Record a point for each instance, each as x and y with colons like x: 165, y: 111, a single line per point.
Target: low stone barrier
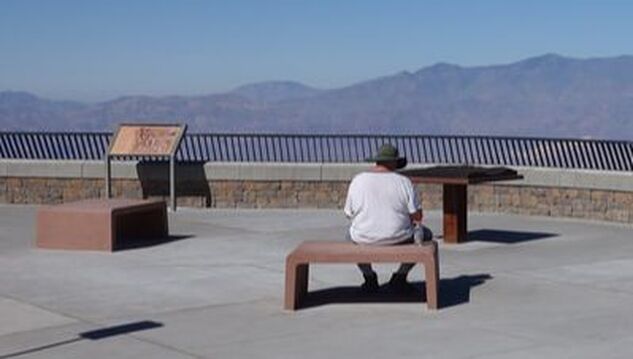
x: 595, y: 195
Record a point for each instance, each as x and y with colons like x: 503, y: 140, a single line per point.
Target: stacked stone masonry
x: 597, y: 204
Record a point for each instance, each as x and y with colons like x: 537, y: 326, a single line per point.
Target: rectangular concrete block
x: 618, y: 181
x: 280, y: 171
x: 535, y: 177
x: 566, y: 178
x: 222, y: 170
x: 124, y: 170
x: 342, y: 171
x: 93, y: 169
x: 3, y: 168
x: 120, y: 169
x: 44, y: 168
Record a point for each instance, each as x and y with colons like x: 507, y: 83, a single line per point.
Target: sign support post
x: 172, y: 182
x: 108, y: 169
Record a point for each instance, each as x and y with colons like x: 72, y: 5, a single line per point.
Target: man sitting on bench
x: 385, y: 209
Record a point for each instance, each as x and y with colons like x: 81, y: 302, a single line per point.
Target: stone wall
x: 577, y: 194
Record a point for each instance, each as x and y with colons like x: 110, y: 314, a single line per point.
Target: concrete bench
x: 298, y: 261
x: 100, y: 224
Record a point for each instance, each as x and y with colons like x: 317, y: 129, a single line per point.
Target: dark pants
x: 404, y: 268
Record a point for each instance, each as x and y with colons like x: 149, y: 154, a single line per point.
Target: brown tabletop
x: 455, y: 181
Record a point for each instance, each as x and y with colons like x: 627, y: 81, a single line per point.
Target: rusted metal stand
x: 455, y: 213
x: 455, y: 181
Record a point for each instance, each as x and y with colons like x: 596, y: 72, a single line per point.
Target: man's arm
x: 413, y: 203
x: 348, y: 208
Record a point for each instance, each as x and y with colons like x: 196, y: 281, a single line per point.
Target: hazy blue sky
x: 96, y: 50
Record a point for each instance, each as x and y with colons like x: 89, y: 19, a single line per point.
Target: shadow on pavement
x: 138, y: 243
x: 506, y: 237
x: 97, y: 334
x: 453, y: 291
x: 456, y: 291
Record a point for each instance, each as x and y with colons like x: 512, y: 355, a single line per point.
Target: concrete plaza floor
x: 525, y: 287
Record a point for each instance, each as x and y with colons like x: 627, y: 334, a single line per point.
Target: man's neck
x: 382, y: 168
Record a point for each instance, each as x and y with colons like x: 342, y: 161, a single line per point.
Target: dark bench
x: 100, y: 224
x: 298, y: 261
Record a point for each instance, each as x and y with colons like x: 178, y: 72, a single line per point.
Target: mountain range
x: 545, y: 96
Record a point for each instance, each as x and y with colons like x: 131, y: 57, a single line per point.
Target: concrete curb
x: 224, y: 171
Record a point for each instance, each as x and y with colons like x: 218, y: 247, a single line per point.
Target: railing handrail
x: 333, y: 135
x: 270, y: 147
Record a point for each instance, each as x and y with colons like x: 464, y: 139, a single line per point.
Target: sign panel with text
x: 146, y: 140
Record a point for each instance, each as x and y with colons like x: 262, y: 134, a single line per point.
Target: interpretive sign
x: 147, y: 140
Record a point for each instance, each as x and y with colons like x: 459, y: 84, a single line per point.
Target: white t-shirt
x: 379, y: 205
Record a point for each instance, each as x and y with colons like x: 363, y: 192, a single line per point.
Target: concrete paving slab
x: 364, y: 340
x: 525, y: 287
x: 265, y: 221
x: 102, y: 287
x: 16, y: 228
x: 258, y: 329
x: 18, y: 317
x: 544, y: 312
x: 616, y: 348
x: 69, y: 341
x: 616, y: 275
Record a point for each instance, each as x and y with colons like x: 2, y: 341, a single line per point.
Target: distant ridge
x: 275, y: 91
x: 548, y: 95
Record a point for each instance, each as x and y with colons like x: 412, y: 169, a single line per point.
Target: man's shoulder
x: 380, y: 173
x: 361, y: 175
x: 400, y: 177
x: 393, y: 176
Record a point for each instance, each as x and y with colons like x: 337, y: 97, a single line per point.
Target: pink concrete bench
x: 298, y: 261
x: 100, y: 224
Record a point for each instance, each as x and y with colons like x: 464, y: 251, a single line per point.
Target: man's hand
x: 416, y: 218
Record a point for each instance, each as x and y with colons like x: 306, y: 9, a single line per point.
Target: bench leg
x: 296, y: 284
x: 432, y: 274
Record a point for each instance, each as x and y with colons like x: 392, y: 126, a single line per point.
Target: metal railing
x: 482, y: 150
